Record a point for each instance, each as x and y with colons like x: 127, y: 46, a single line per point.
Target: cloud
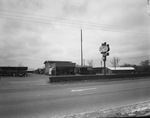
x: 21, y: 4
x: 122, y: 24
x: 75, y: 7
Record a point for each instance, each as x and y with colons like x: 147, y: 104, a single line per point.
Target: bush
x: 70, y: 78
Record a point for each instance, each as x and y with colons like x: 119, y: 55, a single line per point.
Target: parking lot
x: 22, y: 82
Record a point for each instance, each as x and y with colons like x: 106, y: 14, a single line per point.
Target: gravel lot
x: 23, y: 82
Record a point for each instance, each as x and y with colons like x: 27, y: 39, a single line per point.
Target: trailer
x: 13, y: 71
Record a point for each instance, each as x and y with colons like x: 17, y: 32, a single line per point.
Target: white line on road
x: 80, y: 90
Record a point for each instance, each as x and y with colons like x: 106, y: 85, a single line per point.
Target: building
x: 119, y: 70
x: 13, y: 71
x: 83, y: 70
x: 113, y: 70
x: 30, y: 70
x: 97, y: 70
x: 40, y: 71
x: 59, y: 68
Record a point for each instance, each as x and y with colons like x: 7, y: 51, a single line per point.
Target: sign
x: 105, y: 54
x: 103, y: 49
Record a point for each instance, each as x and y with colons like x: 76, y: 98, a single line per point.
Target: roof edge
x: 57, y: 61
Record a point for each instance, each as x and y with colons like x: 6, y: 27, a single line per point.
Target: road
x: 55, y: 100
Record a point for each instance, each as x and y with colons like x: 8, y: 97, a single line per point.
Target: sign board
x: 105, y: 54
x: 103, y: 49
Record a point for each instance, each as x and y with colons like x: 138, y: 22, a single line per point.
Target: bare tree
x: 115, y: 61
x: 20, y: 64
x: 145, y: 63
x: 90, y: 63
x: 145, y: 66
x: 127, y: 65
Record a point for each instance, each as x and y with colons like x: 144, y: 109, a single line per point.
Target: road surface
x: 55, y: 100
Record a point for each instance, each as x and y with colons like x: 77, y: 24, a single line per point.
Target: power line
x: 66, y: 22
x: 135, y: 57
x: 131, y: 58
x: 96, y: 25
x: 35, y: 20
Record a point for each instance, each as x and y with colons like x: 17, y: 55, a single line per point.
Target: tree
x: 145, y: 65
x: 127, y: 65
x: 90, y: 63
x: 20, y: 64
x: 115, y: 62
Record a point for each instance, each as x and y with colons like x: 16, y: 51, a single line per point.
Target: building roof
x: 13, y: 68
x: 121, y: 68
x: 57, y: 62
x: 61, y: 63
x: 98, y: 67
x: 84, y: 66
x: 65, y: 64
x: 30, y: 69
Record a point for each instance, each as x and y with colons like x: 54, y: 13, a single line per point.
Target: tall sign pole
x: 104, y: 50
x: 81, y: 50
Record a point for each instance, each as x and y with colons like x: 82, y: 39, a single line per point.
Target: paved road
x: 47, y: 101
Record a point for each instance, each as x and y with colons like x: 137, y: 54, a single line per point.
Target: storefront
x: 59, y: 68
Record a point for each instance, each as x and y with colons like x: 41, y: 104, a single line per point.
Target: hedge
x: 71, y: 78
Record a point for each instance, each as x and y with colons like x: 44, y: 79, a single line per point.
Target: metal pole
x: 104, y: 65
x: 104, y: 68
x: 81, y: 50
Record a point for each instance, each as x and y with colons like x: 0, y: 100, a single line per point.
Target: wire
x: 35, y: 20
x: 135, y: 57
x: 129, y: 58
x: 70, y: 20
x: 84, y: 24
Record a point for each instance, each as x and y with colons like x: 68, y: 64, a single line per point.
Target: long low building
x: 113, y: 70
x: 13, y: 71
x: 120, y: 70
x: 59, y: 67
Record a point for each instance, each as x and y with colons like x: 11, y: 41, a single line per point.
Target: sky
x: 35, y: 31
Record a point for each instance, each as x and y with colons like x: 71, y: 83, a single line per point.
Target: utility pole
x: 81, y: 50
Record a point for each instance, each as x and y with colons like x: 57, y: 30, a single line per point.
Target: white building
x: 119, y: 70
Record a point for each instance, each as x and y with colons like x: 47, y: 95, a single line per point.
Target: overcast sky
x: 33, y: 31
